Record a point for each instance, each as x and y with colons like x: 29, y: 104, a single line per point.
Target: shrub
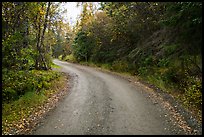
x: 70, y: 58
x: 60, y: 57
x: 17, y: 83
x: 193, y: 92
x: 170, y: 75
x: 142, y: 71
x: 147, y: 61
x: 120, y: 66
x: 163, y: 63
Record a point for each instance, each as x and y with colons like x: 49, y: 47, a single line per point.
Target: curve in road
x: 101, y: 103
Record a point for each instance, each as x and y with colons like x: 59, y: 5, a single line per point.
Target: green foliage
x: 25, y: 43
x: 54, y: 65
x: 170, y: 76
x: 163, y: 62
x: 60, y: 57
x: 194, y: 95
x: 10, y: 55
x: 70, y: 58
x: 179, y: 10
x: 147, y: 61
x: 57, y: 50
x: 22, y: 107
x: 28, y: 104
x: 170, y: 49
x: 157, y: 80
x: 106, y: 66
x: 82, y: 47
x: 186, y: 17
x: 193, y: 92
x: 143, y: 71
x: 25, y: 81
x: 120, y: 66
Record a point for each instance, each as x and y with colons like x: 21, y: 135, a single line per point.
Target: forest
x: 159, y: 42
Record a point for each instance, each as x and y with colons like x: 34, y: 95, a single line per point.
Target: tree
x: 24, y: 34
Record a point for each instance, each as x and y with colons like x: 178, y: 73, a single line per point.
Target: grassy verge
x: 190, y: 97
x: 43, y: 84
x: 54, y: 65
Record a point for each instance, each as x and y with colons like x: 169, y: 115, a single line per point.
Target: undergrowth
x: 36, y: 87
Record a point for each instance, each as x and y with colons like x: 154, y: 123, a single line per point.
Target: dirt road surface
x: 100, y: 103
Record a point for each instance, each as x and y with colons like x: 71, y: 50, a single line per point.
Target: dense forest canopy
x: 158, y: 41
x: 28, y: 36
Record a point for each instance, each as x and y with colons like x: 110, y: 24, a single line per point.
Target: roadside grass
x: 158, y: 82
x: 17, y: 83
x: 54, y: 65
x: 21, y: 108
x: 69, y: 58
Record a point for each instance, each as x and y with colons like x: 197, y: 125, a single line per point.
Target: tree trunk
x: 40, y: 59
x: 38, y: 47
x: 42, y: 38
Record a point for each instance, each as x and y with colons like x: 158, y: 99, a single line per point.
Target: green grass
x: 157, y: 80
x: 17, y: 83
x: 42, y: 85
x: 70, y: 58
x: 22, y: 107
x: 55, y: 66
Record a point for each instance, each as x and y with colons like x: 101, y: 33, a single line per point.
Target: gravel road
x: 99, y: 103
